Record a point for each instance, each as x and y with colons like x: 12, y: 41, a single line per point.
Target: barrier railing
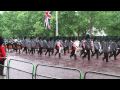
x: 34, y: 74
x: 99, y: 75
x: 50, y: 72
x: 6, y: 71
x: 31, y: 72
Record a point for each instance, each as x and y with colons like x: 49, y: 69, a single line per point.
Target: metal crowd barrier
x: 10, y: 67
x: 34, y: 74
x: 52, y: 74
x: 99, y: 75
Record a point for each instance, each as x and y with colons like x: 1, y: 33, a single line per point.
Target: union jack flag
x: 47, y: 19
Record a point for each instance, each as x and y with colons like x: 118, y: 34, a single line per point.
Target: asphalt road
x: 112, y: 67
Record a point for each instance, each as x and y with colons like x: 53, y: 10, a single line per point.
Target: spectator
x: 2, y: 55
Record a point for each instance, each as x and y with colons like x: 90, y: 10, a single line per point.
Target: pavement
x: 112, y: 67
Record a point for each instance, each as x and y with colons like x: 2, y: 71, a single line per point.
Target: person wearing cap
x: 2, y: 55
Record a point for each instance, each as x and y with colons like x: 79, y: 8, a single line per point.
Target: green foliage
x: 71, y: 23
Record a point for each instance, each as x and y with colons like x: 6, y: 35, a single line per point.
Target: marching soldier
x: 118, y: 44
x: 58, y: 47
x: 48, y: 47
x: 52, y: 45
x: 87, y: 48
x: 33, y: 45
x: 113, y: 47
x: 25, y: 43
x: 96, y: 47
x: 65, y: 46
x: 105, y: 50
x: 40, y: 45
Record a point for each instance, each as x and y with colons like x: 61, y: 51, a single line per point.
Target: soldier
x: 75, y: 48
x: 33, y: 45
x: 65, y: 46
x: 44, y: 44
x: 87, y: 48
x: 40, y: 45
x: 96, y: 47
x: 68, y: 45
x: 73, y: 51
x: 24, y: 43
x: 52, y: 46
x: 58, y: 47
x: 28, y: 45
x: 19, y: 45
x: 118, y: 44
x: 83, y: 47
x: 105, y: 50
x: 113, y: 47
x: 48, y: 47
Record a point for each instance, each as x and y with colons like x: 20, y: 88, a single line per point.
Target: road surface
x: 111, y: 67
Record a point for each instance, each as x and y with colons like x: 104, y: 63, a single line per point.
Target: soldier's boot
x: 26, y: 51
x: 118, y: 52
x: 101, y: 53
x: 93, y: 54
x: 49, y: 52
x: 75, y: 57
x: 81, y: 53
x: 71, y: 55
x: 40, y: 51
x: 88, y: 55
x: 97, y: 55
x: 106, y: 57
x: 68, y: 50
x: 84, y: 56
x: 19, y: 51
x: 46, y: 52
x: 52, y: 51
x: 114, y: 55
x: 56, y: 52
x: 59, y: 55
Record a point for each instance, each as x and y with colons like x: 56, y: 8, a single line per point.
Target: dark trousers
x: 87, y: 54
x: 32, y: 50
x: 48, y: 51
x: 2, y: 67
x: 82, y: 52
x: 52, y: 50
x: 65, y: 48
x: 73, y: 54
x: 105, y: 56
x: 118, y: 52
x: 40, y: 50
x: 113, y: 53
x: 25, y: 49
x: 97, y: 53
x: 57, y: 53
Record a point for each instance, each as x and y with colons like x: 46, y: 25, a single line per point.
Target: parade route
x: 112, y: 67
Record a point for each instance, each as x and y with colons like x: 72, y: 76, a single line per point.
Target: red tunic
x: 2, y: 52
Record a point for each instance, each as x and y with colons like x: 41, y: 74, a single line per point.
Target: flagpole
x: 56, y: 23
